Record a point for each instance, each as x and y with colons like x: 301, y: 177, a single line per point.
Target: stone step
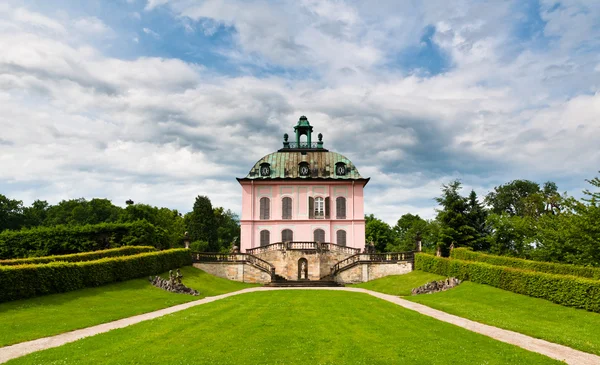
x: 303, y: 283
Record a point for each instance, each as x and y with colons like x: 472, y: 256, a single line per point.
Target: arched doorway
x: 303, y: 269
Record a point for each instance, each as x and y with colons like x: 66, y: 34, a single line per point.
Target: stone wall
x: 237, y: 271
x: 286, y: 262
x: 363, y: 272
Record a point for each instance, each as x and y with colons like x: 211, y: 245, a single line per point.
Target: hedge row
x: 24, y: 281
x: 85, y: 256
x: 62, y: 240
x: 541, y: 266
x: 566, y: 290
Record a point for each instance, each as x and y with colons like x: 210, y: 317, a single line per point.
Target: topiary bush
x: 541, y: 266
x: 62, y: 240
x: 566, y: 290
x: 85, y: 256
x: 25, y: 281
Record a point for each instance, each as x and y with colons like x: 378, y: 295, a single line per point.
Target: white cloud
x: 151, y: 32
x: 92, y: 25
x: 77, y: 122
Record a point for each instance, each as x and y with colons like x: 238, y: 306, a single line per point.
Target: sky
x: 159, y: 101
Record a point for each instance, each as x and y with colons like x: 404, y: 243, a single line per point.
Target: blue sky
x: 163, y: 100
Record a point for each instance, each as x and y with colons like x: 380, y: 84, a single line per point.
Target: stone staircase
x: 303, y: 284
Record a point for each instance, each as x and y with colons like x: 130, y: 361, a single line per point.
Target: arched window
x: 286, y: 208
x: 264, y: 208
x: 341, y: 237
x: 265, y: 237
x: 319, y: 207
x: 287, y: 235
x: 340, y: 207
x: 319, y: 235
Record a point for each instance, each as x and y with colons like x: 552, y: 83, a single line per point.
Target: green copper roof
x: 285, y: 165
x: 303, y: 122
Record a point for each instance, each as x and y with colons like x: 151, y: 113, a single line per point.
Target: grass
x: 289, y: 327
x: 534, y: 317
x: 28, y: 319
x: 399, y: 284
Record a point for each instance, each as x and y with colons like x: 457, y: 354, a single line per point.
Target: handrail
x: 303, y: 245
x: 371, y: 257
x: 234, y: 257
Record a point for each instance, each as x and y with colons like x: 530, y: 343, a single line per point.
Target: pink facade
x: 300, y: 224
x: 302, y: 193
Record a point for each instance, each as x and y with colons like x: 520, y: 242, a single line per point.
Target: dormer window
x: 265, y: 169
x: 303, y: 169
x: 340, y: 169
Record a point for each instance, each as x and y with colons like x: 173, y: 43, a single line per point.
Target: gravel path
x: 555, y: 351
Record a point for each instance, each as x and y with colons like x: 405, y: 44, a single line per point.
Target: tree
x: 573, y: 236
x: 228, y: 230
x: 453, y: 218
x: 11, y: 213
x: 509, y: 198
x: 35, y: 215
x: 202, y: 225
x: 409, y: 229
x: 511, y: 235
x: 379, y: 232
x: 80, y: 212
x: 477, y: 218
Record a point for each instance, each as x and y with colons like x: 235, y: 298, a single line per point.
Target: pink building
x: 302, y: 193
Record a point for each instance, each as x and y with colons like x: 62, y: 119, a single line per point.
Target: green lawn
x: 289, y: 327
x: 33, y: 318
x: 535, y: 317
x: 399, y: 284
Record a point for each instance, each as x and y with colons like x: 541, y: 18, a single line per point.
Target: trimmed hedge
x: 79, y: 257
x: 62, y: 240
x: 566, y: 290
x: 540, y: 266
x: 25, y: 281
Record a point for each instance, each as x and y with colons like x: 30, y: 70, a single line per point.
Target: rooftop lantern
x: 303, y: 128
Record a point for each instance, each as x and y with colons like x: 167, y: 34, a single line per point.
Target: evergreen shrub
x: 541, y: 266
x: 25, y: 281
x: 62, y: 240
x: 85, y: 256
x: 566, y: 290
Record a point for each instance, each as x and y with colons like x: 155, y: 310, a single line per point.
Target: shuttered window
x: 319, y: 207
x: 319, y: 235
x: 286, y: 208
x: 264, y: 208
x: 287, y: 235
x: 327, y: 208
x: 341, y: 237
x: 340, y: 207
x: 311, y: 207
x: 265, y: 237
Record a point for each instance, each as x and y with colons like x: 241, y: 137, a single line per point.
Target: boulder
x: 436, y: 286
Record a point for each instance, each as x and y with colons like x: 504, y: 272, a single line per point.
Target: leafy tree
x: 36, y: 214
x: 228, y: 230
x: 511, y: 235
x: 202, y: 225
x: 453, y: 218
x: 573, y: 236
x: 409, y: 229
x: 80, y: 211
x: 11, y: 213
x: 379, y: 232
x: 170, y: 220
x: 509, y: 198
